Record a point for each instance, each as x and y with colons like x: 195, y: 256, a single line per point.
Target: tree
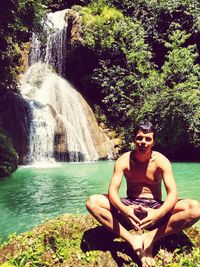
x: 131, y: 85
x: 17, y: 20
x: 174, y: 107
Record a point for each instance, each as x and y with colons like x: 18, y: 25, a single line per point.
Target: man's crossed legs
x: 184, y: 214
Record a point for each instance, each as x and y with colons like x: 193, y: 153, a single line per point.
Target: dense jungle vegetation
x: 136, y: 59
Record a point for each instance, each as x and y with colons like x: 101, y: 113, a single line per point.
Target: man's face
x: 144, y: 141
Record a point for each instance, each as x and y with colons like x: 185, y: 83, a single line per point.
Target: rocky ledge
x: 78, y: 240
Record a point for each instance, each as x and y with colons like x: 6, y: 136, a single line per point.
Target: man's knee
x: 92, y: 202
x: 192, y: 207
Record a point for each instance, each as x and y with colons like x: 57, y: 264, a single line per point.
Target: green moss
x: 8, y: 157
x: 7, y: 264
x: 100, y: 24
x: 80, y: 241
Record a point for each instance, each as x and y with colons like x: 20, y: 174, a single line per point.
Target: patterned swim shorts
x: 145, y: 202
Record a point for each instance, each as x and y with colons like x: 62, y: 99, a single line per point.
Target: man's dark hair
x: 145, y: 126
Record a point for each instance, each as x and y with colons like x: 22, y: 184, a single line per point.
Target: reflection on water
x: 33, y: 194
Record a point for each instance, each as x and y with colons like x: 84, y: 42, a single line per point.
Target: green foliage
x: 90, y: 257
x: 99, y: 115
x: 7, y: 264
x: 17, y: 20
x: 140, y: 57
x: 175, y: 105
x: 56, y: 242
x: 106, y: 29
x: 159, y: 16
x: 79, y: 241
x: 180, y: 66
x: 131, y: 84
x: 124, y: 59
x: 8, y: 156
x: 100, y: 24
x: 179, y: 258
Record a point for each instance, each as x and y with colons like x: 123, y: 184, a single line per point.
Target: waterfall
x: 53, y: 51
x: 53, y: 99
x: 41, y: 134
x: 63, y: 126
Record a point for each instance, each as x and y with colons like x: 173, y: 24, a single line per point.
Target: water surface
x: 33, y: 194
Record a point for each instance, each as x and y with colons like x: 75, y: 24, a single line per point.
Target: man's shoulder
x: 159, y: 158
x: 125, y: 155
x: 124, y: 158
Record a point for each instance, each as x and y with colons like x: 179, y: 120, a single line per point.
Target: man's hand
x: 140, y: 212
x: 152, y: 217
x: 129, y: 213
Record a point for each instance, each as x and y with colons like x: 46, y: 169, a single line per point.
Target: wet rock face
x: 44, y: 88
x: 75, y: 33
x: 103, y: 144
x: 59, y: 109
x: 8, y: 157
x: 16, y: 120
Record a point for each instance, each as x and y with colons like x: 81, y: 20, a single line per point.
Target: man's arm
x: 115, y: 184
x: 170, y: 186
x: 172, y: 196
x: 114, y: 189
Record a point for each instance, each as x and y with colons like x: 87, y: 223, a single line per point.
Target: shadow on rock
x: 179, y: 240
x: 100, y: 238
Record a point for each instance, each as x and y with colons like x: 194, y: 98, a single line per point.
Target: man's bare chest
x: 147, y: 173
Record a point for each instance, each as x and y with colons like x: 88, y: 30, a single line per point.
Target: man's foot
x: 143, y: 249
x: 137, y: 246
x: 148, y: 248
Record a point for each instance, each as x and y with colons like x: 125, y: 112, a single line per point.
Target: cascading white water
x: 41, y: 134
x: 58, y: 110
x: 53, y: 51
x: 46, y: 91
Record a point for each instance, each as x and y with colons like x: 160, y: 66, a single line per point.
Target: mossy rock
x: 8, y: 157
x: 7, y: 264
x: 78, y: 240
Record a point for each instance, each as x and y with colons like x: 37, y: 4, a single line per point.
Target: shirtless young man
x: 144, y: 170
